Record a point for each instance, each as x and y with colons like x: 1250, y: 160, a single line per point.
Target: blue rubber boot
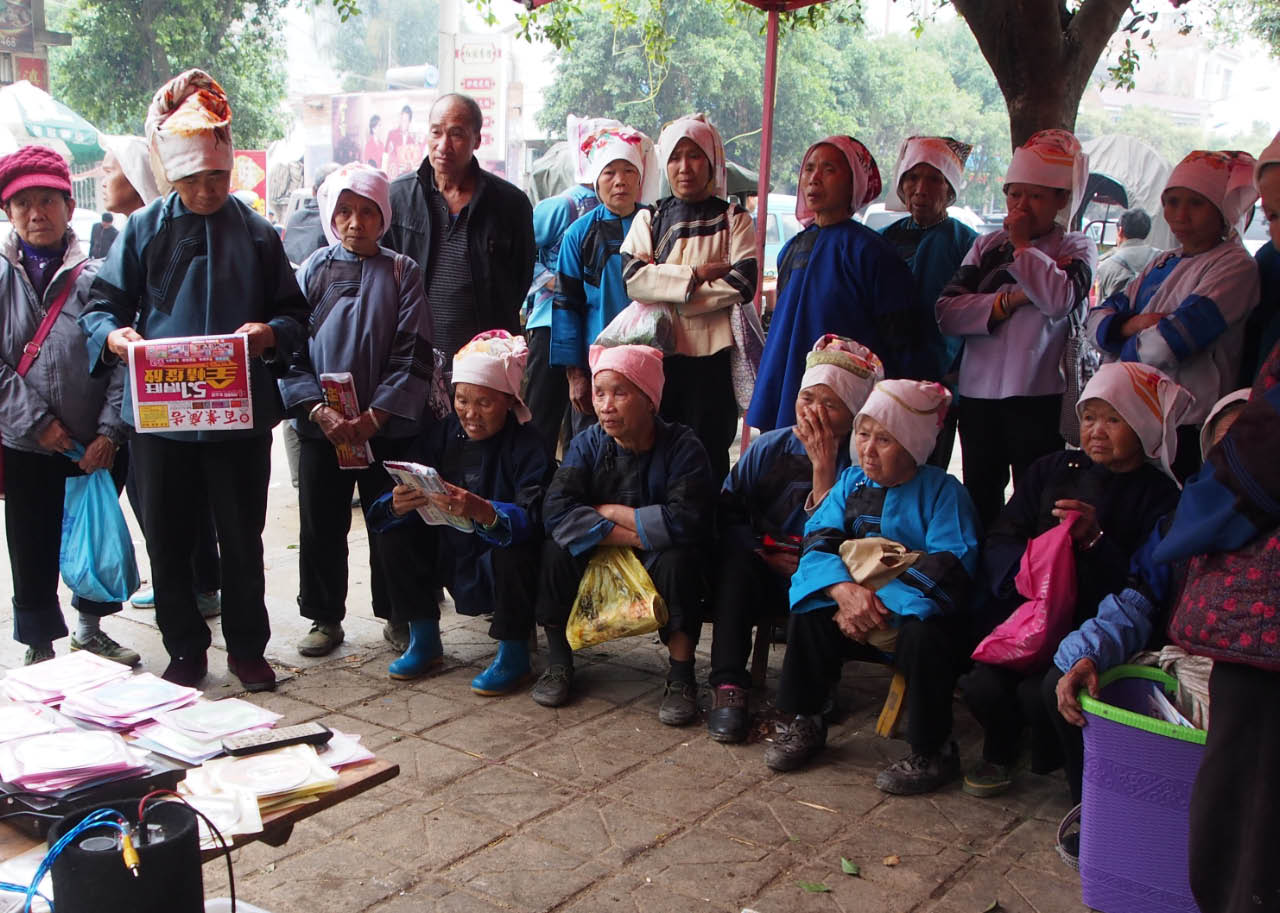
x: 425, y: 652
x: 509, y: 670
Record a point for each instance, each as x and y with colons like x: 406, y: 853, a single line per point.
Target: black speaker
x: 90, y: 876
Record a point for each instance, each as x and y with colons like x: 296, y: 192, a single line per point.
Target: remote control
x: 247, y: 743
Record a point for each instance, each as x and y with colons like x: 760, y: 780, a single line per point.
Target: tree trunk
x: 1041, y: 54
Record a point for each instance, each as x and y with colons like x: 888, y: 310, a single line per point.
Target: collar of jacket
x: 75, y: 254
x: 427, y: 179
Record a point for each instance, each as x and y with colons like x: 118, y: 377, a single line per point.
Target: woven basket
x: 1138, y: 773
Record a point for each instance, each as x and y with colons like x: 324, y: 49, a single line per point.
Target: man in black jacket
x: 469, y: 230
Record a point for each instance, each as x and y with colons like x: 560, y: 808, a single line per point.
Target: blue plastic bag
x: 97, y: 559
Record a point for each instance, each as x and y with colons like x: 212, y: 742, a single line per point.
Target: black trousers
x: 1070, y: 738
x: 698, y: 392
x: 942, y: 448
x: 930, y: 654
x: 206, y: 569
x: 677, y: 575
x: 34, y: 486
x: 1187, y: 461
x: 747, y: 593
x: 1005, y: 702
x: 997, y: 435
x: 235, y: 474
x: 546, y: 389
x: 324, y: 512
x: 1234, y: 828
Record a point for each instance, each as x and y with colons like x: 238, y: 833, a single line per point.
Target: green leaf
x: 994, y: 908
x: 849, y: 868
x: 814, y: 887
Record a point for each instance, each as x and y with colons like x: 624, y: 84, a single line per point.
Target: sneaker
x: 37, y: 654
x: 986, y: 779
x: 679, y: 704
x: 919, y: 773
x: 209, y: 604
x: 144, y: 599
x: 552, y: 689
x: 796, y: 743
x: 396, y: 633
x: 255, y: 674
x: 322, y: 639
x: 187, y: 671
x: 99, y: 644
x: 728, y: 719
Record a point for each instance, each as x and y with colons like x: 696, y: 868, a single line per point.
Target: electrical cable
x: 213, y: 829
x: 22, y: 889
x: 103, y: 817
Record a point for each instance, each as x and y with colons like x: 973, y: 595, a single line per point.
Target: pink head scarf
x: 189, y: 128
x: 703, y: 133
x: 866, y: 184
x: 361, y: 179
x: 1149, y: 402
x: 848, y: 367
x: 1052, y: 158
x: 642, y: 365
x: 942, y: 152
x: 494, y: 359
x: 912, y: 411
x: 1224, y: 178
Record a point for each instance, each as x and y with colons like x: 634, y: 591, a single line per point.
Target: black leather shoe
x: 187, y: 671
x: 729, y: 719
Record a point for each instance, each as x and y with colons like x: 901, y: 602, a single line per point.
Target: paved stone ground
x: 502, y: 805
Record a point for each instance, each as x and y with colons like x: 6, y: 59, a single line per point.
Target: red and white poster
x: 191, y: 383
x: 34, y: 70
x: 249, y: 173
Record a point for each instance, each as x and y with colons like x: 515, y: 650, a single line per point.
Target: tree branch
x: 1090, y: 30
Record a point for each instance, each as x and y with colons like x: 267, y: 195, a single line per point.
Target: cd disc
x: 265, y: 774
x: 66, y: 750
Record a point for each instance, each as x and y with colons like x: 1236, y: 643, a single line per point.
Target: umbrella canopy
x: 34, y: 117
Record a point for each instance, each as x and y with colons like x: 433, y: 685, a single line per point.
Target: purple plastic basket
x: 1138, y: 773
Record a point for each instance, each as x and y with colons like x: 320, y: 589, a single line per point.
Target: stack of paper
x: 52, y: 680
x: 343, y: 750
x: 279, y: 779
x: 125, y: 703
x: 194, y: 733
x: 21, y: 719
x: 65, y: 760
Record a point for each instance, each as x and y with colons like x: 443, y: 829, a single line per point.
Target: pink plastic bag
x: 1027, y: 639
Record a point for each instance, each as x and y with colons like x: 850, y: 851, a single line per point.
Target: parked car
x: 877, y: 216
x: 1255, y: 235
x: 781, y: 226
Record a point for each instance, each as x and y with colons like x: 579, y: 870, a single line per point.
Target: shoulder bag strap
x: 32, y: 349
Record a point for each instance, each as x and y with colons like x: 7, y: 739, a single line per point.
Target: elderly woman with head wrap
x: 838, y: 276
x: 623, y: 170
x: 370, y: 320
x: 1012, y: 302
x: 696, y: 252
x: 198, y: 262
x: 1185, y: 313
x: 495, y: 467
x: 1120, y: 484
x: 764, y: 504
x: 891, y: 503
x: 633, y: 480
x: 930, y: 171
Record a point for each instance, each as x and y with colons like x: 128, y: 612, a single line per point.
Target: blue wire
x: 22, y: 889
x: 103, y: 817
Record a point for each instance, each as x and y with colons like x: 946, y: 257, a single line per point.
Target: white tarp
x: 1143, y: 173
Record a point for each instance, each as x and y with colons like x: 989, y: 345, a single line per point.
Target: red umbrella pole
x: 766, y: 145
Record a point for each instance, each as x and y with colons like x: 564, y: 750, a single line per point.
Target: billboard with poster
x: 34, y: 70
x: 385, y: 129
x: 480, y: 70
x: 249, y: 173
x: 16, y: 31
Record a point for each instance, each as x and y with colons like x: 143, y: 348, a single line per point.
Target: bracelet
x: 377, y: 425
x: 1000, y: 310
x: 1092, y: 542
x: 311, y: 416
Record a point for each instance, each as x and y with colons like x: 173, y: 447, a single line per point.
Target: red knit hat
x: 32, y: 166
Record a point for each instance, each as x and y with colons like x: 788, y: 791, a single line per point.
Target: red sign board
x: 34, y: 70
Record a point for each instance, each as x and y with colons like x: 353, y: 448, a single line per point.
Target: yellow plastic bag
x: 616, y: 598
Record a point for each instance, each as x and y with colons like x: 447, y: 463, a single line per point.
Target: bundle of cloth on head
x: 577, y: 129
x: 704, y: 135
x: 361, y: 179
x: 1224, y: 178
x: 613, y: 143
x: 912, y: 410
x: 134, y: 157
x: 942, y: 152
x: 1147, y: 399
x: 642, y: 365
x: 1052, y: 158
x: 865, y: 186
x: 33, y: 166
x: 846, y: 366
x: 1207, y: 430
x: 494, y: 359
x: 189, y: 128
x: 1268, y: 156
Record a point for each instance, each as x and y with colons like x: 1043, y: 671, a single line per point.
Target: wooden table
x: 277, y: 827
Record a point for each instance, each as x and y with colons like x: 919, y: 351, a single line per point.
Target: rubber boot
x: 508, y: 671
x: 425, y: 651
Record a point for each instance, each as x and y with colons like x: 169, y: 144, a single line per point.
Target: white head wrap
x: 847, y: 367
x: 1207, y: 430
x: 134, y: 158
x: 361, y: 179
x: 866, y: 184
x: 1052, y: 158
x: 577, y: 129
x: 613, y: 143
x: 189, y: 128
x: 911, y: 410
x: 942, y: 152
x: 1224, y: 178
x: 494, y: 359
x: 1268, y: 156
x: 1147, y: 399
x: 705, y: 136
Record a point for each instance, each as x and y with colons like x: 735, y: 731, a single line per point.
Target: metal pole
x: 766, y: 147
